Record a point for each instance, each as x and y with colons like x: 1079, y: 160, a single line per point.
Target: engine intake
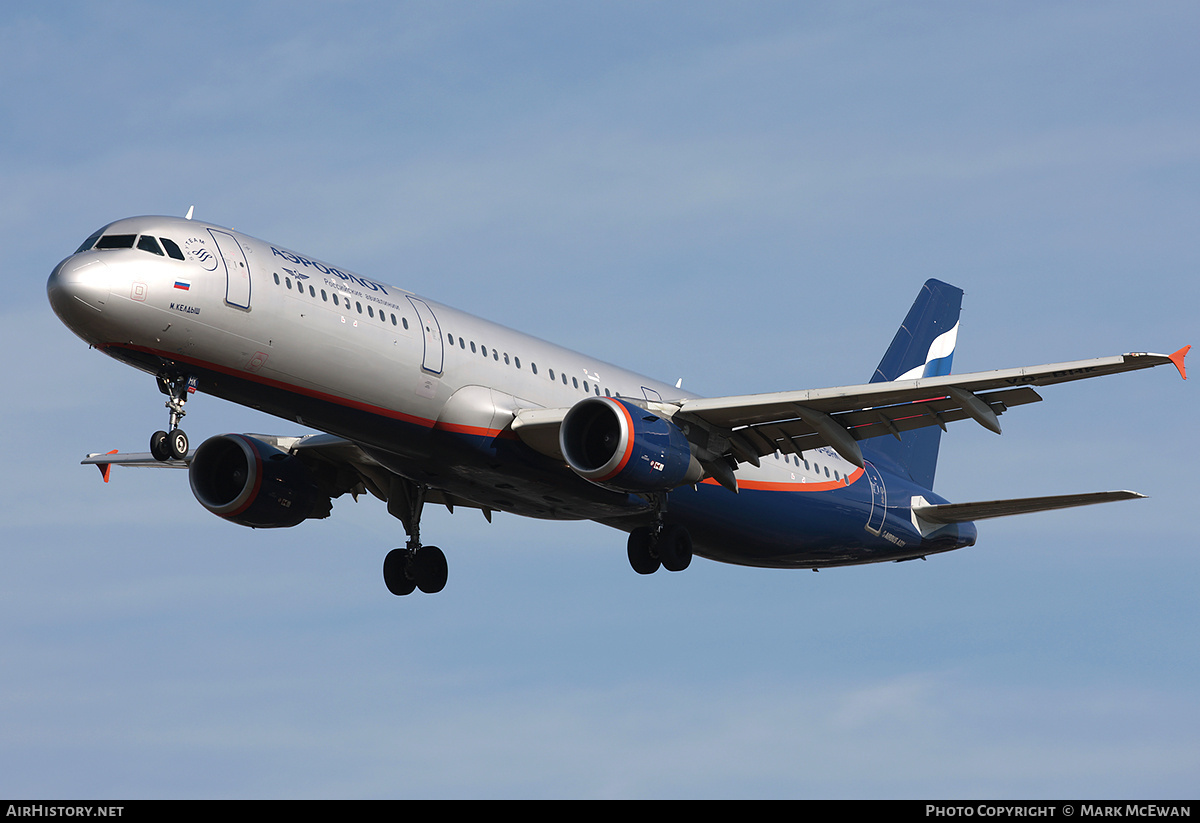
x: 254, y: 484
x: 623, y: 447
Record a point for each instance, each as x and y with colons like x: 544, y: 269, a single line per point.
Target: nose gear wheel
x: 173, y: 444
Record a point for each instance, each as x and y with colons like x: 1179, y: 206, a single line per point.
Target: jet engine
x: 254, y: 484
x: 623, y: 447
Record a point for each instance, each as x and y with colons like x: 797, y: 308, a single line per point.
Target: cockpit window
x: 148, y: 243
x: 91, y: 241
x: 116, y: 241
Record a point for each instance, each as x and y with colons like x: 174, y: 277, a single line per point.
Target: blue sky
x: 747, y: 196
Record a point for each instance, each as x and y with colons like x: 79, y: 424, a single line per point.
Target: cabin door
x: 878, y: 499
x: 237, y: 269
x: 432, y: 335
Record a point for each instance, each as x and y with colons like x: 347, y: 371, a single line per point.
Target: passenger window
x: 324, y: 296
x: 172, y: 249
x: 370, y: 311
x: 552, y: 374
x: 404, y: 320
x: 506, y: 358
x: 276, y: 278
x: 335, y: 299
x: 575, y: 380
x: 533, y: 367
x: 472, y: 347
x: 359, y: 305
x: 288, y: 281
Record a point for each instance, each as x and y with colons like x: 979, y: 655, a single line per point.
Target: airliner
x: 419, y: 403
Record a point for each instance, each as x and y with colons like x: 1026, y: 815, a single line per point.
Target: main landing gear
x: 670, y: 547
x: 172, y: 445
x: 662, y: 544
x: 415, y: 566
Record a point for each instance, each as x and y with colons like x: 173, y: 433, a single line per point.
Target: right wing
x: 748, y: 427
x: 799, y: 420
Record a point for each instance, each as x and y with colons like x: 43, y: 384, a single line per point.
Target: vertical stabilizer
x: 922, y: 347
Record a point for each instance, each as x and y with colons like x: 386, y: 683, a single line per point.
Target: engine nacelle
x: 254, y: 484
x: 623, y: 447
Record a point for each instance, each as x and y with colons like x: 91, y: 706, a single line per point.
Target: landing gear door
x: 237, y: 269
x: 878, y: 499
x: 432, y: 335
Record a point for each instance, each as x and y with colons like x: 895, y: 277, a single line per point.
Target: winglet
x: 1177, y: 359
x: 106, y: 468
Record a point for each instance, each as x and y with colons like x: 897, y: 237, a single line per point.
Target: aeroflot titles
x: 324, y: 269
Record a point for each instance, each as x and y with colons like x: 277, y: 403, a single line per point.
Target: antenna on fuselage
x: 188, y: 216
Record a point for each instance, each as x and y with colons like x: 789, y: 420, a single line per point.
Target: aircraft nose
x: 78, y: 288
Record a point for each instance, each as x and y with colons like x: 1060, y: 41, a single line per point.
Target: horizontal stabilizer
x: 965, y: 512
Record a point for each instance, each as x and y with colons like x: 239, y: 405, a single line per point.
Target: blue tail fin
x: 923, y: 347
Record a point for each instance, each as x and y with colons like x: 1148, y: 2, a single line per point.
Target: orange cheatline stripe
x: 794, y: 485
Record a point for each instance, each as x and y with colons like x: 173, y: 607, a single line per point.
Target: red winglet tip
x: 106, y: 468
x: 1177, y: 359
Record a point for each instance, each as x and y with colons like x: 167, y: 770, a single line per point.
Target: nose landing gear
x: 173, y: 445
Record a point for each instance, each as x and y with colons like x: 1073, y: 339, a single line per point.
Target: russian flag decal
x: 182, y: 284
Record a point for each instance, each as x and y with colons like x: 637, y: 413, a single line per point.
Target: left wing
x: 748, y: 427
x: 342, y: 464
x: 106, y: 460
